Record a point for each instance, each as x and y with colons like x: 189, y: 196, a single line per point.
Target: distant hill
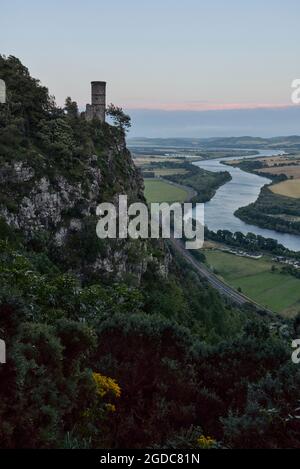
x: 291, y: 142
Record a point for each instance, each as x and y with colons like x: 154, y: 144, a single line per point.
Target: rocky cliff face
x: 44, y: 201
x: 41, y: 202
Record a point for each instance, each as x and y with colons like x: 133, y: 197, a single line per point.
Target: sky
x: 197, y: 68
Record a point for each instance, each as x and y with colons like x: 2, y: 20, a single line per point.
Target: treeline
x: 251, y: 242
x: 289, y: 269
x: 252, y: 166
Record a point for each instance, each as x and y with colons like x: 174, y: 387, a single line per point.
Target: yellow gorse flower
x: 205, y: 442
x: 110, y: 407
x: 105, y: 385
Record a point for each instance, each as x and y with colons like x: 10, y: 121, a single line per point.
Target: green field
x: 277, y: 291
x: 161, y: 191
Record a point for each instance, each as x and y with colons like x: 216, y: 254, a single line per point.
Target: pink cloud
x: 202, y: 106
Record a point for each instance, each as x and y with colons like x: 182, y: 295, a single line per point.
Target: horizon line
x: 205, y: 107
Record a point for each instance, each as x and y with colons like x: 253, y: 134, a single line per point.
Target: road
x: 214, y: 281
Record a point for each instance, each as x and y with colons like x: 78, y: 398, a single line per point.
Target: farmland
x: 273, y: 289
x: 291, y: 171
x: 161, y: 191
x: 289, y: 188
x: 287, y: 165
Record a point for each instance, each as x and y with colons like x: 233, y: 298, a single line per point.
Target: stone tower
x: 97, y: 108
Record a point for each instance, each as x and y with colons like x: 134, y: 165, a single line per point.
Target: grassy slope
x: 278, y: 291
x: 161, y: 191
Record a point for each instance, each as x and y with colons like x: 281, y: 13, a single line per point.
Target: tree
x: 120, y: 119
x: 71, y: 107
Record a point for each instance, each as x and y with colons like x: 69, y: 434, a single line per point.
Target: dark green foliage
x: 153, y: 376
x: 120, y: 119
x: 41, y: 384
x: 27, y: 101
x: 153, y: 341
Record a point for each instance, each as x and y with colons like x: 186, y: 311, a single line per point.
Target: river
x: 242, y: 190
